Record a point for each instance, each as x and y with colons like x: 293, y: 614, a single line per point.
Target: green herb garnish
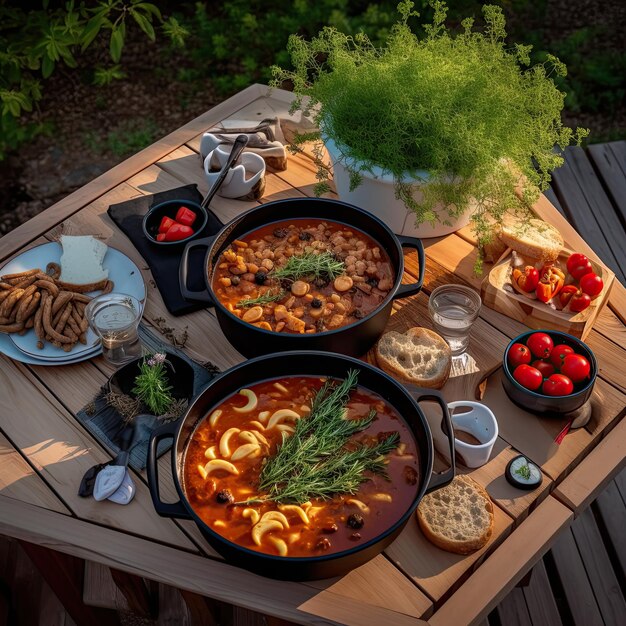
x: 524, y: 471
x: 264, y: 298
x: 324, y: 265
x: 151, y: 384
x: 314, y: 462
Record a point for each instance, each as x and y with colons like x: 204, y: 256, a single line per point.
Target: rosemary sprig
x: 264, y: 298
x: 314, y: 462
x: 152, y: 386
x: 324, y: 265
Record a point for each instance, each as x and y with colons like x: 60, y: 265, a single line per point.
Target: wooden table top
x: 44, y: 450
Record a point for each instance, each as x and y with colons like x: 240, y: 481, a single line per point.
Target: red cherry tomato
x: 177, y: 232
x: 528, y: 377
x: 557, y: 385
x: 518, y: 354
x: 578, y: 265
x: 545, y: 367
x: 559, y: 352
x: 575, y: 298
x: 591, y: 284
x: 576, y: 368
x: 185, y: 216
x: 165, y: 224
x: 540, y: 345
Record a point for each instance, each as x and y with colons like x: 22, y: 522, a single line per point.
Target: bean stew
x: 303, y: 276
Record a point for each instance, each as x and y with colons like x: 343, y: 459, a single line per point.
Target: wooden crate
x: 498, y: 294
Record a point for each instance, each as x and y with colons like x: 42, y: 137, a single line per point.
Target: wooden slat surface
x: 397, y: 588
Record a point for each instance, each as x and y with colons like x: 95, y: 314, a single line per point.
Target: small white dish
x: 479, y: 421
x: 244, y: 178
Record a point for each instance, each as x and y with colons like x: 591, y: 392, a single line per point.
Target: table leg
x: 136, y: 593
x: 64, y: 574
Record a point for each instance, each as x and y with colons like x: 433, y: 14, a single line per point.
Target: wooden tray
x: 536, y: 314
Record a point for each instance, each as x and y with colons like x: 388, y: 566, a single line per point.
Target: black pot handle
x: 183, y: 268
x: 439, y: 480
x: 412, y: 288
x: 176, y: 509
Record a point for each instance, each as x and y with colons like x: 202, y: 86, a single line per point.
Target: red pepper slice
x: 185, y: 216
x: 576, y: 299
x: 550, y: 283
x: 160, y: 237
x: 177, y: 232
x: 165, y: 224
x: 528, y: 279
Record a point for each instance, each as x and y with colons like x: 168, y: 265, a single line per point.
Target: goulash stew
x: 303, y: 276
x: 301, y: 466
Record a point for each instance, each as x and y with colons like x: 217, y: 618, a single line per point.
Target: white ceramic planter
x: 376, y: 194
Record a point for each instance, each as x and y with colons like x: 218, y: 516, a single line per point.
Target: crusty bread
x: 457, y: 518
x: 419, y: 356
x: 81, y: 261
x: 535, y: 238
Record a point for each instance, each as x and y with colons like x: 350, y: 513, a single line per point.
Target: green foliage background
x: 234, y: 42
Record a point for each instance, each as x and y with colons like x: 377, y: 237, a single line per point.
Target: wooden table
x: 45, y: 451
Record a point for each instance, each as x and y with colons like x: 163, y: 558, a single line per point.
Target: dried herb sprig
x: 524, y: 471
x: 265, y: 298
x: 310, y: 265
x: 314, y: 462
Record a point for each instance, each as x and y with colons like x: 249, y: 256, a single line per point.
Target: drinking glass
x: 453, y: 309
x: 115, y: 318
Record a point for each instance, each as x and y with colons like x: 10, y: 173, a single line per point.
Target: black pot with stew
x: 303, y: 274
x: 301, y: 465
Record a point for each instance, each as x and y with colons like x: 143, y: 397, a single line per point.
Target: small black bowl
x: 169, y: 208
x: 538, y: 402
x: 180, y: 376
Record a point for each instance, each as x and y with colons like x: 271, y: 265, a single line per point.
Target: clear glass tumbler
x: 115, y: 318
x: 453, y: 309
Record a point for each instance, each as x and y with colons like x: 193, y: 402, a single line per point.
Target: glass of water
x: 453, y: 309
x: 115, y: 318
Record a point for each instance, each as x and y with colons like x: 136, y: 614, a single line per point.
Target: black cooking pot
x: 356, y: 338
x: 301, y: 364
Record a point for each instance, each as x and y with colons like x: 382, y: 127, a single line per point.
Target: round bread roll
x: 419, y: 356
x: 457, y: 518
x: 535, y: 238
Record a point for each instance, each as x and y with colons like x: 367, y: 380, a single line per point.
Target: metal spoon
x: 238, y: 146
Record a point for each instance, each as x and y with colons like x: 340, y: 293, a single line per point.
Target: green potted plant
x: 428, y: 132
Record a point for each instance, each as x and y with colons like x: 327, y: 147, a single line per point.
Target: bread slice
x: 457, y: 518
x: 81, y: 261
x: 419, y: 356
x: 535, y: 238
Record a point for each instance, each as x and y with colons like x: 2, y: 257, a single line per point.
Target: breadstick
x: 53, y: 270
x: 5, y: 286
x: 48, y: 286
x: 60, y: 325
x: 30, y: 322
x: 24, y: 301
x: 38, y: 319
x: 6, y: 320
x: 71, y: 322
x: 68, y: 347
x: 79, y: 297
x: 47, y: 323
x: 9, y: 302
x: 22, y: 284
x: 61, y: 300
x: 6, y: 293
x: 19, y: 275
x: 28, y: 313
x: 11, y: 328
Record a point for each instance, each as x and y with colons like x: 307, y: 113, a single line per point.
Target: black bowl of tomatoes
x: 174, y: 222
x: 547, y: 371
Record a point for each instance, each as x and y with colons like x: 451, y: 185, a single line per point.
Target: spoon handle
x: 238, y: 146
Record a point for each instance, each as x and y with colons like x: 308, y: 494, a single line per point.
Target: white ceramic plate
x: 122, y: 271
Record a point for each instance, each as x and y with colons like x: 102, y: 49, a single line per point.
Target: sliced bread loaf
x: 419, y: 356
x: 535, y: 238
x: 81, y: 261
x: 457, y: 518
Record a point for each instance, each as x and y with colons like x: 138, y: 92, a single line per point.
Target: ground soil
x: 84, y: 120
